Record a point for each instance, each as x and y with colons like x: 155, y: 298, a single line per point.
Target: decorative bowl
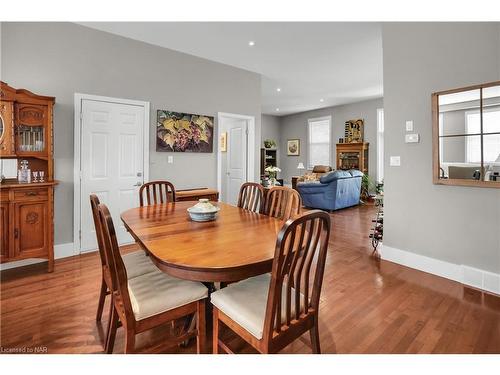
x: 203, y: 211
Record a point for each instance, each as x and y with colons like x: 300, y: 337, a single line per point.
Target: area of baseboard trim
x: 471, y: 276
x: 60, y: 251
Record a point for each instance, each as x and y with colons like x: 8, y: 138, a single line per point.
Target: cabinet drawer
x: 31, y: 194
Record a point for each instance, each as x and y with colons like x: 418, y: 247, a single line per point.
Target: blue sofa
x: 333, y: 191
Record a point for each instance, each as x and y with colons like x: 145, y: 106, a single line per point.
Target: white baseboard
x: 474, y: 277
x: 60, y: 251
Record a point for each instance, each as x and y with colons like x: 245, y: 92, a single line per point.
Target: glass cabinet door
x: 30, y: 129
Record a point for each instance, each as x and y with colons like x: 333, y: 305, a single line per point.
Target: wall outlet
x: 395, y: 161
x: 412, y: 138
x: 409, y: 126
x: 170, y: 160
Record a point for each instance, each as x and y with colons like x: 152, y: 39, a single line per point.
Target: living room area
x: 366, y: 150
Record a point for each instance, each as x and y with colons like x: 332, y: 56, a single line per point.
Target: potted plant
x: 367, y: 185
x: 269, y: 143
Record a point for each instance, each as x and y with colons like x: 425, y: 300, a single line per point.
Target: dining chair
x: 155, y: 192
x: 136, y: 263
x: 282, y: 202
x: 150, y: 300
x: 272, y: 310
x: 251, y: 197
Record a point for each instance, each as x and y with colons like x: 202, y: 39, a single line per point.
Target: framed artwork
x: 223, y: 142
x: 293, y: 147
x: 354, y: 131
x: 183, y: 132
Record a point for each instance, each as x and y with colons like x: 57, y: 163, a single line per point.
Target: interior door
x: 236, y: 163
x: 111, y: 163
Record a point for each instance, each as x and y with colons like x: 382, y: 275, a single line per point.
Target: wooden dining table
x: 237, y: 245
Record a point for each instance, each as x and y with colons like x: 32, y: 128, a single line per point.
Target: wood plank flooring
x: 367, y: 306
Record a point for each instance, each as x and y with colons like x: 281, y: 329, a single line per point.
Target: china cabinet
x: 27, y: 209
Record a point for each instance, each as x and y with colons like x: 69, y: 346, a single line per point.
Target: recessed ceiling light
x: 322, y: 100
x: 277, y: 109
x: 251, y: 43
x: 278, y: 89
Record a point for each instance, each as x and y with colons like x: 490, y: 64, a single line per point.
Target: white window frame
x: 316, y: 119
x: 380, y: 144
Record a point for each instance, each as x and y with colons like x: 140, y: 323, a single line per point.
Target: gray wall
x: 59, y: 59
x: 270, y: 128
x: 451, y: 223
x: 295, y: 126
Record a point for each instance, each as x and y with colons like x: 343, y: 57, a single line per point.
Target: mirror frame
x: 435, y: 140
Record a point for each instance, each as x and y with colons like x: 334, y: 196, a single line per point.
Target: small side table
x: 294, y: 182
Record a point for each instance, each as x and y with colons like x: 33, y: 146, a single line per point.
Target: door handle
x: 138, y: 183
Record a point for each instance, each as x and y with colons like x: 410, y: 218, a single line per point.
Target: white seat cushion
x: 137, y: 264
x: 245, y: 302
x: 157, y: 292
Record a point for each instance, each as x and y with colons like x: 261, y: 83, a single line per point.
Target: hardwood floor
x: 367, y: 306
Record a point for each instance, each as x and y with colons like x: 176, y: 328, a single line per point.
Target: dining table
x: 237, y: 245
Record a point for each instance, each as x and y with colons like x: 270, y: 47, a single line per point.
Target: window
x: 319, y: 141
x: 380, y: 144
x: 491, y: 142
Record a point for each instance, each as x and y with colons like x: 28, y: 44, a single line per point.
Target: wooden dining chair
x: 282, y: 203
x: 251, y: 197
x: 156, y: 192
x: 272, y: 310
x: 149, y: 300
x: 136, y: 263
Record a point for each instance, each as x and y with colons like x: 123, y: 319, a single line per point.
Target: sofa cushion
x: 356, y: 173
x: 335, y: 175
x: 321, y: 169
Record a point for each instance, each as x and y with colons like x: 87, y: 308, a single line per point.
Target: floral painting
x: 183, y: 132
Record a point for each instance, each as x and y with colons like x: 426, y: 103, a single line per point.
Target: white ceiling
x: 334, y: 61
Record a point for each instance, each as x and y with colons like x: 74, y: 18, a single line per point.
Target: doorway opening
x: 236, y: 164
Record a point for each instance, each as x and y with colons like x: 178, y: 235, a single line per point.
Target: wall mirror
x: 466, y: 136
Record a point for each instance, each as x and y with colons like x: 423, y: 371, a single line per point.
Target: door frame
x: 78, y: 152
x: 251, y: 145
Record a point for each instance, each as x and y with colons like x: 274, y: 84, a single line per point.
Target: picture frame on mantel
x: 293, y: 147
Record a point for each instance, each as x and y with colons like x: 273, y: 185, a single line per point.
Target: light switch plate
x: 412, y: 138
x: 170, y: 160
x: 395, y: 161
x: 409, y: 126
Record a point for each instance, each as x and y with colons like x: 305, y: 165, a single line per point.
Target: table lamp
x: 301, y: 166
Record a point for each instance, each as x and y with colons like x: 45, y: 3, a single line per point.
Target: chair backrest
x: 156, y: 192
x: 291, y: 296
x: 251, y: 197
x: 94, y: 203
x: 118, y: 272
x: 282, y: 202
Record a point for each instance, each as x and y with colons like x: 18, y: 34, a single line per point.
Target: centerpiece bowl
x: 203, y: 211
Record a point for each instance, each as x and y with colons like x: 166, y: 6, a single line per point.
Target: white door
x: 236, y: 162
x: 111, y: 163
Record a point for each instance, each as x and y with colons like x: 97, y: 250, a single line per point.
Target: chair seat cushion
x: 137, y: 264
x: 245, y: 302
x: 157, y: 292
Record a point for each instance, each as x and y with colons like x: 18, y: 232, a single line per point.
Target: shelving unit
x: 353, y: 156
x: 377, y: 231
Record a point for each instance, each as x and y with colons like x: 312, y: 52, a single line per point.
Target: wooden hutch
x: 27, y: 209
x: 353, y: 156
